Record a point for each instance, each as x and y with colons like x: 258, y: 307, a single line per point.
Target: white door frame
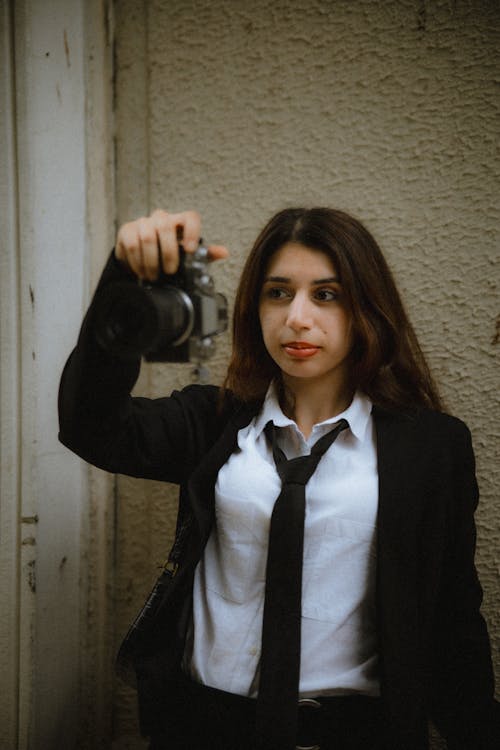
x: 56, y: 173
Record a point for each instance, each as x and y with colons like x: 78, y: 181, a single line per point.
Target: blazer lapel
x: 400, y: 502
x: 201, y: 486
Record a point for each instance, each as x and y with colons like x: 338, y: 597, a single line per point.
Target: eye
x: 326, y: 295
x: 275, y: 292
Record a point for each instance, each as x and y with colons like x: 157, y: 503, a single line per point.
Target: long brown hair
x: 387, y: 362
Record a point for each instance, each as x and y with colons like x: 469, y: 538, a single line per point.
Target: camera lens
x: 174, y: 315
x: 132, y: 320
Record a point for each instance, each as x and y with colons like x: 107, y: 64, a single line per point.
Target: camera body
x: 174, y: 319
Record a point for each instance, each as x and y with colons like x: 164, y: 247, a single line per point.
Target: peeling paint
x: 32, y: 576
x: 29, y: 519
x: 29, y: 540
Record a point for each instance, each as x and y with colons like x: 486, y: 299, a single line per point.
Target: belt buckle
x: 308, y: 703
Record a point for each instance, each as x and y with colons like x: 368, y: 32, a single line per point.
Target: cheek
x: 340, y: 329
x: 266, y: 322
x: 263, y: 326
x: 269, y: 332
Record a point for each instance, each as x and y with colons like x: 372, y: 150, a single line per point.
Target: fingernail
x: 190, y: 245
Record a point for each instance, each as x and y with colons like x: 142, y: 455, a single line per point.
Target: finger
x: 168, y: 245
x: 189, y: 224
x: 152, y: 246
x: 217, y: 252
x: 148, y: 242
x: 128, y: 248
x: 150, y: 256
x: 125, y: 237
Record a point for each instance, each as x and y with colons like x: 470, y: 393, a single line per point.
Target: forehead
x: 294, y: 257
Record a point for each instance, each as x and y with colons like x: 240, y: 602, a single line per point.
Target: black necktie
x: 277, y: 701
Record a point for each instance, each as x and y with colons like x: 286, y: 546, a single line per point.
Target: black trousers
x: 202, y: 718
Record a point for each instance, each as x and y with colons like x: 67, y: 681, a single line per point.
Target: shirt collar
x: 357, y: 413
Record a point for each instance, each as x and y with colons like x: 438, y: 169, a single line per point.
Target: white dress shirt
x: 339, y: 646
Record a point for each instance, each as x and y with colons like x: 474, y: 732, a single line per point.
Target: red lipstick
x: 300, y: 349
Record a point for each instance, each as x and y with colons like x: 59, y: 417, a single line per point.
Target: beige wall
x: 389, y: 110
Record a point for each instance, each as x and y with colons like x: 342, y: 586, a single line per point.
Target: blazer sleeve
x: 101, y: 422
x: 463, y: 705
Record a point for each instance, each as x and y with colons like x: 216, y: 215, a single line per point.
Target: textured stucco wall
x: 389, y: 110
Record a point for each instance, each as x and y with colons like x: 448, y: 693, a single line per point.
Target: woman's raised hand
x: 140, y: 244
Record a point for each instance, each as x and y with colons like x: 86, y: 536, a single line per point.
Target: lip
x: 300, y: 349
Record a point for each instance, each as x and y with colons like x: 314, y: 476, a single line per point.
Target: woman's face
x: 305, y: 323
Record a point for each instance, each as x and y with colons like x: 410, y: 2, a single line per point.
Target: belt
x: 318, y: 719
x: 323, y: 718
x: 306, y: 718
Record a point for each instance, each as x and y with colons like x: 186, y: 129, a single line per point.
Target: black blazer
x: 433, y: 642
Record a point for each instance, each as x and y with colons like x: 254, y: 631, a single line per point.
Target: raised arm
x: 99, y: 420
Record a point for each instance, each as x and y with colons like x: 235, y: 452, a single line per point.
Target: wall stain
x: 32, y: 296
x: 30, y: 540
x: 66, y: 49
x: 422, y: 17
x: 29, y: 519
x: 496, y: 336
x: 63, y: 563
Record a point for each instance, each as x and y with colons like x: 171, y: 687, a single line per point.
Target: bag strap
x: 140, y: 629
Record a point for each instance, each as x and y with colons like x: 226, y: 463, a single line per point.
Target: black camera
x: 173, y: 319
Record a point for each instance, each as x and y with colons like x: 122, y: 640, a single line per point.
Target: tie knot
x: 297, y: 470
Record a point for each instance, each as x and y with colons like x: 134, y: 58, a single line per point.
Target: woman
x: 372, y: 624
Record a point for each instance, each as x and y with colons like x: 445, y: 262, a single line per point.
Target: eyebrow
x: 285, y: 280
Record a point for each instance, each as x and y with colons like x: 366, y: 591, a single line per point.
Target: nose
x: 299, y: 315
